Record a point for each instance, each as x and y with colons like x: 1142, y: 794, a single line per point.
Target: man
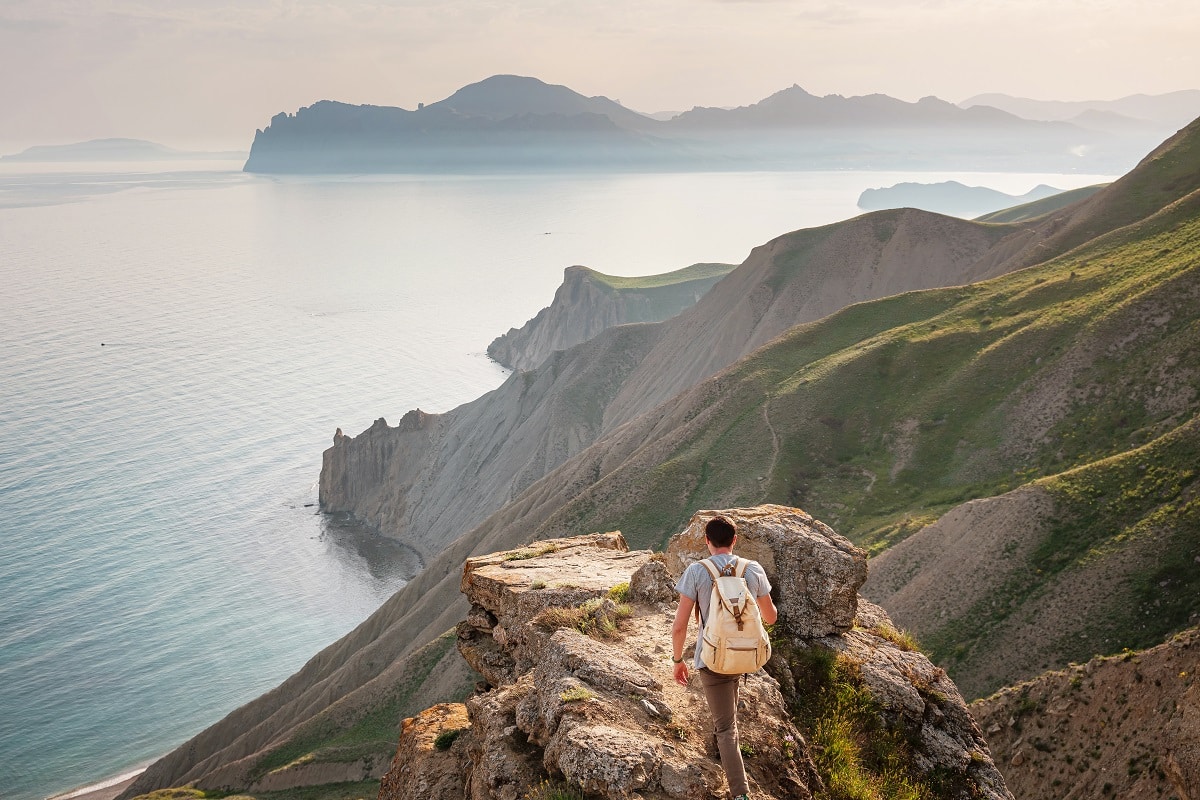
x: 721, y: 691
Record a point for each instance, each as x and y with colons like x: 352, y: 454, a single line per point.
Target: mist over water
x: 176, y: 350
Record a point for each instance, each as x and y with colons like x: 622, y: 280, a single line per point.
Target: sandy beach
x: 105, y: 790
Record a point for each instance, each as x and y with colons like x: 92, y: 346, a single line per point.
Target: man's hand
x: 681, y: 673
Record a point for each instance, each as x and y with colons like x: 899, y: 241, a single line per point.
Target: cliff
x: 572, y: 637
x: 1125, y: 725
x: 589, y: 302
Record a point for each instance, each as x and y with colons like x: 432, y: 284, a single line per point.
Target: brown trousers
x: 721, y: 691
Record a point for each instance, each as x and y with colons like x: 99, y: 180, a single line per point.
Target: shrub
x: 576, y: 694
x: 446, y: 738
x: 899, y: 637
x: 598, y: 617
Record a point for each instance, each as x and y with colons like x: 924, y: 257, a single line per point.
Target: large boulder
x: 815, y: 572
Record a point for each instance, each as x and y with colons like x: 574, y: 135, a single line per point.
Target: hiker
x: 720, y: 690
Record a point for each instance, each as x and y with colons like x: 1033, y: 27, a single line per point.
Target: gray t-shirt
x: 696, y: 583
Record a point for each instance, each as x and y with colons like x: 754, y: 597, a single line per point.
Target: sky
x: 207, y: 73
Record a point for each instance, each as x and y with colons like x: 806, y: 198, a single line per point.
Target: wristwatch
x: 675, y: 660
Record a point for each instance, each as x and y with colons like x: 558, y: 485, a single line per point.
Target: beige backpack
x: 735, y: 640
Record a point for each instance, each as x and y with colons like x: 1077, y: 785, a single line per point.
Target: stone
x: 652, y: 583
x: 816, y: 574
x: 421, y: 769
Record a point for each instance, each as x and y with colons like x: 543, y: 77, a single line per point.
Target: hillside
x: 1038, y: 208
x: 1125, y: 725
x: 879, y: 418
x: 408, y: 480
x: 589, y: 302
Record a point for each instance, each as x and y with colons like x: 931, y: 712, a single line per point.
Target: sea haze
x: 176, y: 350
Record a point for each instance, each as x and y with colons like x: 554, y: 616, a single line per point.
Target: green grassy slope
x: 1039, y: 208
x: 1169, y: 172
x: 696, y: 272
x: 884, y: 416
x: 903, y: 407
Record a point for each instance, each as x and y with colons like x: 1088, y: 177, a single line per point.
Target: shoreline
x: 106, y: 789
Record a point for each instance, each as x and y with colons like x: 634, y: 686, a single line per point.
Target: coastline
x: 107, y: 789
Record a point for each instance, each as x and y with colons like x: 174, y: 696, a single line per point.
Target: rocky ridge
x: 601, y: 712
x: 1124, y: 726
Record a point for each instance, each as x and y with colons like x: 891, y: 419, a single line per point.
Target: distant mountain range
x: 115, y: 150
x: 511, y: 122
x: 1172, y: 111
x: 948, y: 197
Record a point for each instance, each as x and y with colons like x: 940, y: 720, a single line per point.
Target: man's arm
x: 767, y: 610
x: 679, y: 627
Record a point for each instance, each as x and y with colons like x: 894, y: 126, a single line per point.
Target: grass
x: 1039, y: 208
x: 530, y: 552
x: 576, y: 694
x: 371, y: 737
x: 856, y: 755
x: 361, y: 790
x: 553, y: 790
x: 696, y: 272
x: 899, y: 637
x: 1146, y: 500
x: 599, y: 617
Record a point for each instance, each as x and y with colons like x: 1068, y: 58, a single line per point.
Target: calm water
x: 176, y: 349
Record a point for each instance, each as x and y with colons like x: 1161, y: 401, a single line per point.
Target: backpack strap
x: 712, y: 573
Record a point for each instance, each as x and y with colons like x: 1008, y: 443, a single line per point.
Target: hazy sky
x: 208, y: 72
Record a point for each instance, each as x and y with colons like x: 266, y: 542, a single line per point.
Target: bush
x: 446, y: 738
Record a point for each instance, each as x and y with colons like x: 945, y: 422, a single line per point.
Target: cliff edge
x: 589, y: 302
x: 572, y: 636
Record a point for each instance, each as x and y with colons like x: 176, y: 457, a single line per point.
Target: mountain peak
x: 503, y: 96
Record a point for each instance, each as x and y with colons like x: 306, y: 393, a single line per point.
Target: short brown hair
x: 720, y: 531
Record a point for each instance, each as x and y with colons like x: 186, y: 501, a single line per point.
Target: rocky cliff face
x: 432, y: 477
x: 587, y: 303
x: 1124, y: 726
x: 572, y: 637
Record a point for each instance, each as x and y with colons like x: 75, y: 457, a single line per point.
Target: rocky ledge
x: 572, y: 639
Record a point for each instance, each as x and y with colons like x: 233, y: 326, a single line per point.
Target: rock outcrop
x: 588, y: 302
x: 572, y: 637
x: 1124, y: 726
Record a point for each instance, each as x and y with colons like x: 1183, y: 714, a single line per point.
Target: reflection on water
x: 364, y: 552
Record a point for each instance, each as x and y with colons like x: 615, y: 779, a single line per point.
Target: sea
x: 179, y: 342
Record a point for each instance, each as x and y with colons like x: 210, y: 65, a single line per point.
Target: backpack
x: 735, y: 640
